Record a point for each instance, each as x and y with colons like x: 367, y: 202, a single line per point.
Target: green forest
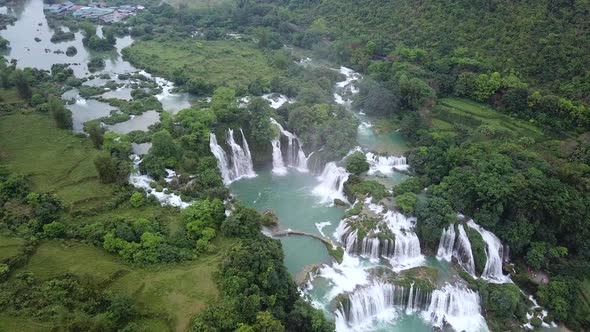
x: 491, y: 99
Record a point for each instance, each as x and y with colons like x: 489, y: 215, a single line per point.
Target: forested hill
x: 546, y: 42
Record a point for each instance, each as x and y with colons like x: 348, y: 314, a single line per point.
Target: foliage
x: 478, y: 249
x: 406, y: 203
x: 137, y: 199
x: 223, y: 63
x: 80, y: 304
x: 410, y: 185
x: 112, y: 169
x: 61, y: 115
x: 433, y: 214
x: 357, y: 163
x: 96, y: 133
x: 356, y: 187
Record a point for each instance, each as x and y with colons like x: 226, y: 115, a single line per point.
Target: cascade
x: 331, y: 185
x: 247, y: 151
x: 407, y: 250
x: 446, y: 244
x: 463, y: 251
x: 237, y: 166
x: 278, y: 166
x: 378, y: 301
x: 295, y: 155
x: 385, y: 164
x: 370, y: 247
x: 222, y: 161
x: 457, y: 307
x: 143, y: 181
x: 494, y: 252
x: 241, y: 160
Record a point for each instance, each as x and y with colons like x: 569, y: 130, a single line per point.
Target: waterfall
x: 371, y: 246
x: 247, y: 151
x: 446, y: 244
x: 278, y: 166
x: 222, y: 161
x: 378, y: 301
x: 331, y: 185
x: 238, y: 164
x: 295, y: 156
x: 407, y: 251
x: 385, y: 164
x: 463, y: 251
x: 494, y: 252
x: 457, y: 307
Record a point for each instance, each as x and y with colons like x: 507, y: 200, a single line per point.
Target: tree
x: 203, y: 214
x: 374, y: 99
x: 164, y: 148
x: 54, y: 230
x: 117, y: 145
x: 535, y: 257
x: 22, y: 85
x: 61, y: 115
x: 137, y: 199
x: 259, y: 113
x: 111, y: 169
x: 357, y: 163
x: 96, y: 133
x: 433, y: 214
x: 414, y: 92
x: 406, y: 203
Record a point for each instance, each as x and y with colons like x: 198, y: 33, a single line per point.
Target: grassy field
x: 9, y: 96
x: 450, y: 111
x: 9, y: 246
x: 221, y: 63
x: 57, y: 161
x: 171, y: 294
x: 53, y: 160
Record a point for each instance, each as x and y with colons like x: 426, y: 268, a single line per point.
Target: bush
x: 111, y: 169
x: 96, y: 64
x: 478, y: 248
x: 55, y: 229
x: 357, y: 163
x: 406, y: 203
x: 96, y: 133
x: 137, y: 199
x: 356, y: 187
x: 61, y: 115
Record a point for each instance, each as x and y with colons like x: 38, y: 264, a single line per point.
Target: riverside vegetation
x: 496, y: 133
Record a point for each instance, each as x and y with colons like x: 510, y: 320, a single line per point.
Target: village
x: 99, y: 11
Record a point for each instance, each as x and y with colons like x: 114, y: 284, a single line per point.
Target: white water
x: 494, y: 251
x: 331, y: 185
x: 278, y: 166
x: 370, y: 246
x: 463, y: 251
x: 456, y: 306
x: 221, y: 156
x: 379, y: 301
x: 237, y: 165
x: 407, y: 251
x: 143, y: 182
x: 276, y: 100
x: 385, y: 164
x: 295, y: 156
x: 446, y: 244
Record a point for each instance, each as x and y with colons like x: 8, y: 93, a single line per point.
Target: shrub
x: 357, y: 163
x: 407, y: 202
x: 137, y: 199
